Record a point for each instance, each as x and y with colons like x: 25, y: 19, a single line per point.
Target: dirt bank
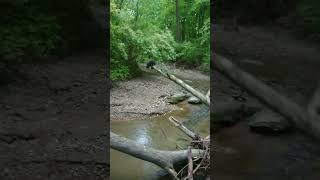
x: 147, y: 95
x: 53, y: 120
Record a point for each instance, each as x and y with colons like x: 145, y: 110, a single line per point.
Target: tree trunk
x: 178, y: 23
x: 137, y: 14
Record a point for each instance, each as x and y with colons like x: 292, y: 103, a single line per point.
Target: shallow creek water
x: 158, y: 133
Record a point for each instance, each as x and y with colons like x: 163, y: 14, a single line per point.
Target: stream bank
x: 147, y: 95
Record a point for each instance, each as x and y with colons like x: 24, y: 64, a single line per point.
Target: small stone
x: 176, y: 98
x: 267, y: 121
x: 194, y: 100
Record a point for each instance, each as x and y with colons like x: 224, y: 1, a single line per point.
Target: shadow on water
x: 158, y: 133
x: 250, y: 156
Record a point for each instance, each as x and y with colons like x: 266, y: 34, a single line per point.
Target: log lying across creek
x: 164, y: 159
x: 300, y: 117
x: 204, y: 98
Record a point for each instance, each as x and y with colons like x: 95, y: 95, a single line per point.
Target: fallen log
x: 178, y: 81
x: 164, y: 159
x: 297, y: 115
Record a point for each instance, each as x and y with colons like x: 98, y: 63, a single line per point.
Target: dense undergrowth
x: 142, y: 30
x: 35, y: 28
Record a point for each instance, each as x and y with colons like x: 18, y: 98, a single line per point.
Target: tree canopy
x: 162, y: 30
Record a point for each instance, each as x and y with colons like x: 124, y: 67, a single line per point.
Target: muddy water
x: 250, y: 156
x: 158, y: 133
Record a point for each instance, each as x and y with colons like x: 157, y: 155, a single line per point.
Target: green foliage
x: 37, y: 28
x: 143, y: 29
x: 310, y: 11
x: 27, y: 32
x: 197, y: 51
x: 130, y: 44
x: 158, y: 46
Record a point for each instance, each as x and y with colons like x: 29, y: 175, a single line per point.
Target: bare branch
x: 179, y: 125
x: 190, y: 167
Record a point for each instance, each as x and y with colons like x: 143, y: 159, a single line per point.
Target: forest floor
x: 53, y: 120
x: 289, y: 65
x: 147, y: 95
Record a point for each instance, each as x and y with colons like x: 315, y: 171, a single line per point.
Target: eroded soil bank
x: 289, y: 65
x: 53, y: 120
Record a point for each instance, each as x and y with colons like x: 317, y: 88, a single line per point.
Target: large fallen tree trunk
x: 299, y: 116
x: 187, y: 87
x: 164, y: 159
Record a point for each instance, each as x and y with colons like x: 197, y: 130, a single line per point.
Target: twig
x: 190, y: 168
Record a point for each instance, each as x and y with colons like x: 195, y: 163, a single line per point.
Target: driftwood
x: 178, y: 81
x: 164, y: 159
x: 179, y: 125
x: 296, y: 114
x: 200, y: 143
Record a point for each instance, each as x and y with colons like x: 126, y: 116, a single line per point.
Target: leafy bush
x: 26, y: 32
x: 36, y: 28
x: 130, y: 45
x: 159, y: 46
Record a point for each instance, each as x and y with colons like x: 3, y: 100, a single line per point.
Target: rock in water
x: 176, y: 98
x: 267, y: 121
x: 194, y: 100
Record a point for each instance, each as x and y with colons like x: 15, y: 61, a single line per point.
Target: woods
x: 165, y: 31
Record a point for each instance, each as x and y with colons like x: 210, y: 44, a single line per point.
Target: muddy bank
x: 53, y: 120
x: 290, y: 66
x: 147, y: 95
